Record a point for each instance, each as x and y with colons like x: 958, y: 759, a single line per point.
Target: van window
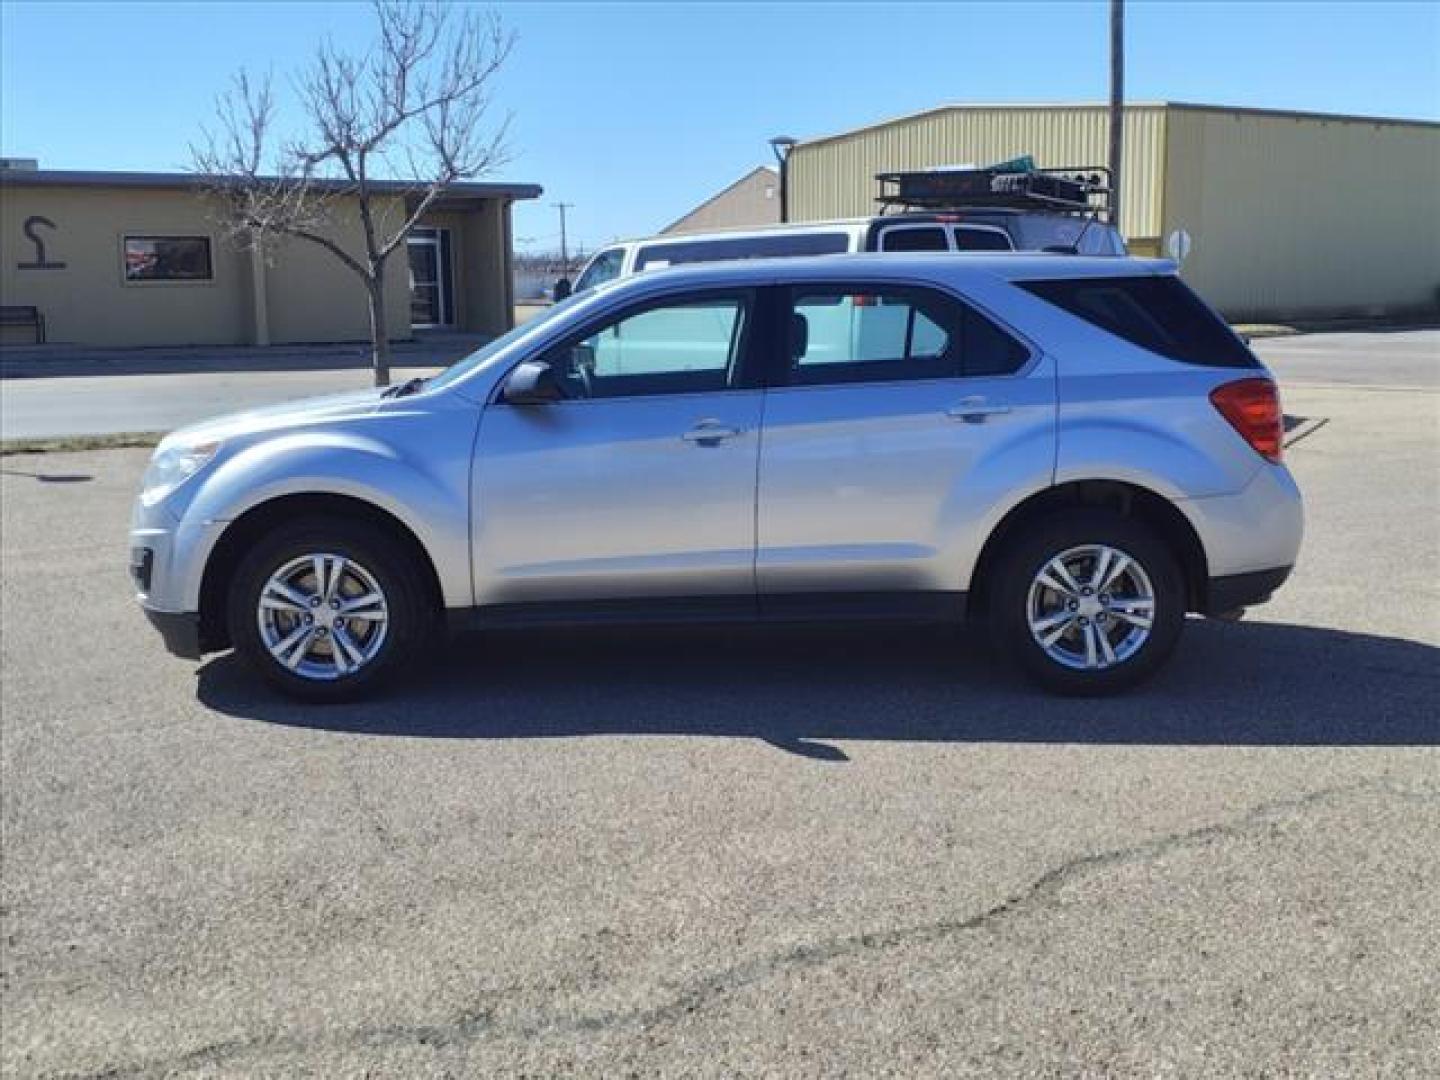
x: 969, y: 238
x: 914, y: 238
x: 1157, y: 313
x: 777, y: 245
x: 1039, y: 232
x: 603, y: 267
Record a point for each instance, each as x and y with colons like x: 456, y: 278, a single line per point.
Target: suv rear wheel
x: 1088, y: 602
x: 329, y: 609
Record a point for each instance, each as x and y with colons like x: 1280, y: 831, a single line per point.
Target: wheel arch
x: 1126, y: 499
x: 232, y: 544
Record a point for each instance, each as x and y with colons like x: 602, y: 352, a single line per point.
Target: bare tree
x: 412, y: 109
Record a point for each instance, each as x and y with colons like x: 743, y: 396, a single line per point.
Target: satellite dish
x: 1178, y: 245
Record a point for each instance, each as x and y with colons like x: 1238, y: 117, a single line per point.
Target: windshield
x: 604, y: 267
x: 461, y: 368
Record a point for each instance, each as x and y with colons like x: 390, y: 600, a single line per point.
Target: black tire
x: 1043, y: 541
x: 411, y: 607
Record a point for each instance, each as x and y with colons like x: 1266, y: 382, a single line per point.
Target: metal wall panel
x: 1296, y: 215
x: 835, y: 177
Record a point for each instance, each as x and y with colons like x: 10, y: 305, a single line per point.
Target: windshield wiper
x: 404, y: 389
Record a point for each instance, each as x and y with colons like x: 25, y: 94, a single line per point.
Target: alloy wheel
x: 322, y: 616
x: 1091, y: 607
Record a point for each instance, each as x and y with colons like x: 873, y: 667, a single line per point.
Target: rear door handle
x: 711, y: 433
x: 976, y: 408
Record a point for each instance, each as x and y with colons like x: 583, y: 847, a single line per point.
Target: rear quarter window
x: 1161, y: 314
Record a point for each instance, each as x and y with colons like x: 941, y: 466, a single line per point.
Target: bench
x: 24, y: 315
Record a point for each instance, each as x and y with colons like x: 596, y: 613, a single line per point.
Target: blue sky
x: 636, y: 112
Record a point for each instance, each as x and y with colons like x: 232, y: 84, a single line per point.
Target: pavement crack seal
x: 479, y: 1023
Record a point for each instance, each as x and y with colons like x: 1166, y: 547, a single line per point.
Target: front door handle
x: 976, y: 408
x: 711, y: 433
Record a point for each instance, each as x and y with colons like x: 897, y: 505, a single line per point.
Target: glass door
x: 429, y: 279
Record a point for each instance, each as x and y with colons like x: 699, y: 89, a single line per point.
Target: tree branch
x: 420, y: 95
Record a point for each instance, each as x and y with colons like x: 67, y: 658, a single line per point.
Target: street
x: 96, y: 404
x: 737, y: 852
x: 109, y: 404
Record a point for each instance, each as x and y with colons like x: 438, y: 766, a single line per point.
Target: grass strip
x: 69, y: 444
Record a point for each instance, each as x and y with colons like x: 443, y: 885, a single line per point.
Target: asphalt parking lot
x: 856, y: 852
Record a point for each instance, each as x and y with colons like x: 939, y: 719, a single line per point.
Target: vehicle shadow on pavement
x: 1250, y: 684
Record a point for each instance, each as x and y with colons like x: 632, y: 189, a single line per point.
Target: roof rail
x: 1069, y: 189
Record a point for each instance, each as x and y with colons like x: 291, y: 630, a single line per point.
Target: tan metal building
x: 109, y: 258
x: 752, y: 202
x: 1291, y: 214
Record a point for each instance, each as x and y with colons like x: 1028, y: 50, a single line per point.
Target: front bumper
x: 166, y: 566
x: 180, y: 630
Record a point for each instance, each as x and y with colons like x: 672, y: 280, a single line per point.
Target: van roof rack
x: 1014, y: 185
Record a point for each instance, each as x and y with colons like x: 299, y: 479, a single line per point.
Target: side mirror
x: 562, y: 290
x: 531, y: 383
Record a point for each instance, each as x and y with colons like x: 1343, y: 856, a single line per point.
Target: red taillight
x: 1253, y: 408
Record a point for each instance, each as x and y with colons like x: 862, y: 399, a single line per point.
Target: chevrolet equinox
x: 1073, y: 451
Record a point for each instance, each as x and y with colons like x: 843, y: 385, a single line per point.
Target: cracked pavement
x: 858, y: 852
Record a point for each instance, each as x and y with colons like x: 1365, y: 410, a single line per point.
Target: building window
x: 168, y: 258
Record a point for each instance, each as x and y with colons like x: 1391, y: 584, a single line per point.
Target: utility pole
x: 1117, y: 103
x: 564, y: 251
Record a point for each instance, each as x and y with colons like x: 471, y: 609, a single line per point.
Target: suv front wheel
x: 329, y: 609
x: 1088, y: 602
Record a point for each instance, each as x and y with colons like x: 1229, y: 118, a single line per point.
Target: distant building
x: 1291, y: 214
x: 751, y: 202
x: 111, y: 258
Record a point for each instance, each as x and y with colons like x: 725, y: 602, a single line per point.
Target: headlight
x: 172, y: 466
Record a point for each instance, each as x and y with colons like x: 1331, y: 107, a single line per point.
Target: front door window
x: 683, y: 348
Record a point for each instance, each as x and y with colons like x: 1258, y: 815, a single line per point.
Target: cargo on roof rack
x: 1072, y: 189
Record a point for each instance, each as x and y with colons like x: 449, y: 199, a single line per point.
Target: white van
x: 959, y: 230
x: 1008, y: 207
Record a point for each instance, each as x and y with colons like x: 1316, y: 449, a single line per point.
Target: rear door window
x: 1156, y: 313
x: 849, y: 334
x: 914, y: 238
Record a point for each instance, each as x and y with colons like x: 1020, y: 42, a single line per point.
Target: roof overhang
x: 472, y: 191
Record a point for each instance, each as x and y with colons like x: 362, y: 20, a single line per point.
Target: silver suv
x: 1076, y: 451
